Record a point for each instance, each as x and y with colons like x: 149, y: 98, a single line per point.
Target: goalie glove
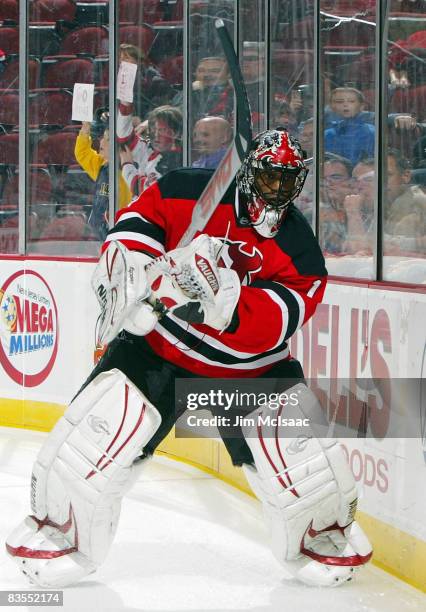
x: 188, y: 283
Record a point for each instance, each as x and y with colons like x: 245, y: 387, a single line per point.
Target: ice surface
x: 186, y: 541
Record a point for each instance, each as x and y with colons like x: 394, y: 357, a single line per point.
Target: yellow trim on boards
x: 396, y: 552
x: 29, y: 414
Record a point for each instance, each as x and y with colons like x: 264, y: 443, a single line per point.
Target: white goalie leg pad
x: 308, y: 493
x: 86, y: 465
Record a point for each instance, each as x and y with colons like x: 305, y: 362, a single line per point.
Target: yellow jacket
x: 92, y: 162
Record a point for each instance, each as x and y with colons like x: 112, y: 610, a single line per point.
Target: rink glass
x: 370, y: 220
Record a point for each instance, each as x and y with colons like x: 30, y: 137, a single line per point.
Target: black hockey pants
x: 156, y: 379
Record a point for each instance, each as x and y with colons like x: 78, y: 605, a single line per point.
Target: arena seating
x: 64, y: 71
x: 56, y: 149
x: 9, y: 144
x: 9, y: 9
x: 91, y: 40
x: 9, y: 39
x: 172, y: 69
x: 69, y: 228
x: 9, y: 79
x: 140, y: 35
x: 43, y: 39
x: 411, y: 100
x: 168, y: 40
x: 40, y: 186
x: 294, y: 65
x: 136, y: 12
x: 50, y: 107
x: 52, y: 10
x: 91, y: 12
x: 101, y: 65
x: 77, y: 186
x: 9, y: 108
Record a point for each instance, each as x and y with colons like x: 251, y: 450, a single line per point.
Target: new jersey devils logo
x: 244, y: 259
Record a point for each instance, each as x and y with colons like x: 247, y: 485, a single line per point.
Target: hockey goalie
x: 225, y: 305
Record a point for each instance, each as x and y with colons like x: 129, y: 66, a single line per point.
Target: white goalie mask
x: 270, y: 178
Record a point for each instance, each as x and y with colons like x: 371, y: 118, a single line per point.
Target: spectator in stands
x: 398, y: 78
x: 405, y: 211
x: 405, y: 59
x: 253, y: 68
x: 285, y: 117
x: 302, y: 101
x: 144, y: 159
x: 212, y: 136
x: 337, y: 184
x: 404, y: 208
x: 151, y: 89
x: 212, y: 93
x: 403, y: 135
x: 340, y: 99
x: 359, y: 209
x: 305, y: 201
x: 333, y: 113
x: 351, y: 136
x: 305, y: 136
x: 419, y: 153
x: 96, y: 166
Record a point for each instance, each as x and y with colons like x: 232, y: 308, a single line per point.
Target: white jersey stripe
x: 262, y: 361
x: 133, y: 215
x: 136, y: 237
x: 300, y: 302
x: 285, y: 316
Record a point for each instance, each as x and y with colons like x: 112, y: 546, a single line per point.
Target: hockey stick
x: 214, y: 190
x: 231, y: 162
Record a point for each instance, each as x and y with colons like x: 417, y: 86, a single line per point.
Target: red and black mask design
x: 271, y: 177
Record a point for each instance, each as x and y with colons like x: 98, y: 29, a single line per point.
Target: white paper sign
x: 82, y: 102
x: 125, y: 81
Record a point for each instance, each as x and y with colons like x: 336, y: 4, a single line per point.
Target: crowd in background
x: 69, y: 177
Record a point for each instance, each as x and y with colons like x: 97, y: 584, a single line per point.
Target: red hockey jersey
x: 283, y: 278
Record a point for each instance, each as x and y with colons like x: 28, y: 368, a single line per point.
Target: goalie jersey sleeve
x: 283, y: 278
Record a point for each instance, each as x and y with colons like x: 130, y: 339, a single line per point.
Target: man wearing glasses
x: 336, y: 186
